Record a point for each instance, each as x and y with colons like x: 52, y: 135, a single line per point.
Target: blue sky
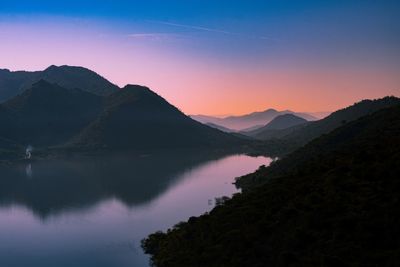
x: 330, y: 28
x: 230, y: 38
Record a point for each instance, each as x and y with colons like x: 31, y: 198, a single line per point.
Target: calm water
x: 95, y: 212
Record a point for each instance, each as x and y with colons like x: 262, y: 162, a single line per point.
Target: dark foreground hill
x: 132, y: 118
x: 13, y: 83
x: 338, y: 206
x: 137, y: 118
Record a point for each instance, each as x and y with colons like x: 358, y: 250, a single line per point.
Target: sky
x: 217, y: 57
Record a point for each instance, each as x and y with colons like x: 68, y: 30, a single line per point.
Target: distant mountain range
x: 13, y: 83
x: 303, y: 133
x: 249, y: 121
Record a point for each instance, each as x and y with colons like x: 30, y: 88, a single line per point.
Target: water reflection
x: 28, y: 170
x: 95, y: 212
x: 74, y: 184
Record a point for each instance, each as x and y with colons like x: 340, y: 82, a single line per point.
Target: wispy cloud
x: 214, y: 30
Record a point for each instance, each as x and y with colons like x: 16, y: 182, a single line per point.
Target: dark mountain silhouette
x: 219, y: 127
x: 334, y: 202
x: 13, y: 83
x: 134, y: 117
x: 249, y: 120
x: 137, y: 118
x: 47, y: 114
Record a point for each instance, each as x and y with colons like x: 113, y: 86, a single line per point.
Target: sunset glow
x: 221, y: 62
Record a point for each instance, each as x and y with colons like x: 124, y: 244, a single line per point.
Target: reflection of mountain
x: 61, y: 185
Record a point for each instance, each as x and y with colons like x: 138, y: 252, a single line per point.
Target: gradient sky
x: 217, y: 57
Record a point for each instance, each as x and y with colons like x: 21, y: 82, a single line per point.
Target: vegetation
x: 334, y: 202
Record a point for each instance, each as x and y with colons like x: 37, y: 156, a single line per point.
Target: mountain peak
x: 270, y: 110
x: 66, y: 67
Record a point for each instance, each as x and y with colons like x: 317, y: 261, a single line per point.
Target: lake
x: 94, y: 212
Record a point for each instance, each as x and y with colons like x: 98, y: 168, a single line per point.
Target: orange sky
x: 208, y: 79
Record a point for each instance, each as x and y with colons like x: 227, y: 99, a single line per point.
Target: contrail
x: 193, y: 27
x: 201, y: 28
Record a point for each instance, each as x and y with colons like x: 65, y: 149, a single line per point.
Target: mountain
x: 219, y: 127
x: 303, y: 133
x: 249, y: 120
x: 137, y: 118
x: 280, y: 126
x: 134, y: 117
x: 312, y: 130
x: 281, y: 122
x: 47, y: 114
x: 334, y: 202
x: 13, y: 83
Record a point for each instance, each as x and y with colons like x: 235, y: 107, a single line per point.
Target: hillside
x: 13, y: 83
x: 249, y: 120
x: 47, y: 114
x: 137, y: 118
x: 332, y: 203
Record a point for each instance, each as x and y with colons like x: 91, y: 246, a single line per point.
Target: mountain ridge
x: 13, y: 83
x: 242, y: 122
